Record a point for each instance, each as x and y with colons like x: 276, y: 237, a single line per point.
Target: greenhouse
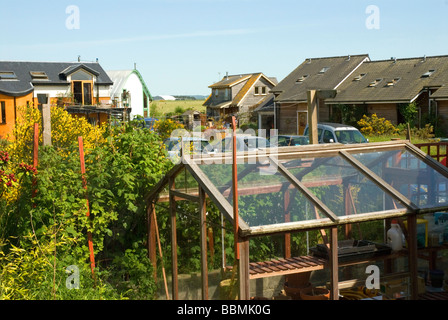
x: 324, y: 188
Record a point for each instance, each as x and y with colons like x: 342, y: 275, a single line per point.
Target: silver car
x: 243, y: 143
x: 338, y: 133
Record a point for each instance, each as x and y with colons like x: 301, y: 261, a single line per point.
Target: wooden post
x: 84, y: 182
x: 46, y: 120
x: 243, y: 270
x: 204, y: 268
x: 312, y: 116
x: 161, y: 256
x: 175, y: 283
x: 412, y: 257
x: 287, y: 219
x: 151, y: 236
x: 334, y: 264
x: 235, y: 191
x: 35, y: 156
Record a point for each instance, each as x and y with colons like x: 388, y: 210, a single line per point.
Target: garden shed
x: 327, y: 188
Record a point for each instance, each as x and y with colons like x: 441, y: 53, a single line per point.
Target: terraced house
x: 290, y: 94
x: 238, y: 95
x: 82, y: 88
x: 382, y: 87
x: 364, y: 86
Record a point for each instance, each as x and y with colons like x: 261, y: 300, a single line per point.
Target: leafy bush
x: 165, y: 127
x: 43, y: 212
x: 374, y: 126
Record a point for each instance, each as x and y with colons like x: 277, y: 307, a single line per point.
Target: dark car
x: 288, y: 140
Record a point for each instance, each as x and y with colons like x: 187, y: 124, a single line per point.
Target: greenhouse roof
x: 316, y: 186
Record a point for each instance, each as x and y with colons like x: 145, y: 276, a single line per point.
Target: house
x: 290, y: 95
x: 191, y: 118
x: 438, y: 108
x: 129, y: 90
x: 238, y: 95
x: 381, y: 87
x: 82, y: 88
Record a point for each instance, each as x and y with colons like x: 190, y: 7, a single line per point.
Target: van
x: 337, y: 133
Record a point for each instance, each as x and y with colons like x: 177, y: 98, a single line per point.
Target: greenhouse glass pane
x: 408, y: 174
x: 265, y: 196
x: 341, y: 187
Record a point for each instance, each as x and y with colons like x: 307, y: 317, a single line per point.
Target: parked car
x: 336, y: 132
x: 174, y: 146
x: 243, y: 143
x: 149, y: 123
x: 288, y: 140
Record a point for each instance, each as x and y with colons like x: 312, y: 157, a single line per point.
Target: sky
x: 182, y: 46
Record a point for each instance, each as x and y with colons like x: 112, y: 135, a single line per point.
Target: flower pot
x: 293, y: 291
x: 312, y: 293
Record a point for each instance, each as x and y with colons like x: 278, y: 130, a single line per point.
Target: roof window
x: 359, y: 77
x: 375, y: 83
x: 7, y: 75
x: 428, y: 74
x: 38, y: 75
x: 323, y: 70
x: 392, y: 82
x: 302, y: 78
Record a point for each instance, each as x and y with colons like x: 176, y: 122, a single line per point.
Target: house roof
x: 441, y: 94
x: 317, y: 73
x: 393, y: 81
x: 119, y: 78
x: 231, y: 80
x: 266, y: 105
x: 18, y: 78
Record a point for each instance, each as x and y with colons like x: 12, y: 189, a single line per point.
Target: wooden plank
x: 186, y: 196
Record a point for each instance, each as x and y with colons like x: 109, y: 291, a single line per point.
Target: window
x: 323, y: 70
x: 7, y: 75
x: 2, y: 112
x: 428, y: 74
x: 302, y: 78
x: 260, y: 90
x: 227, y: 94
x: 392, y: 82
x: 359, y: 77
x: 82, y: 92
x: 38, y: 75
x: 375, y: 83
x: 328, y: 137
